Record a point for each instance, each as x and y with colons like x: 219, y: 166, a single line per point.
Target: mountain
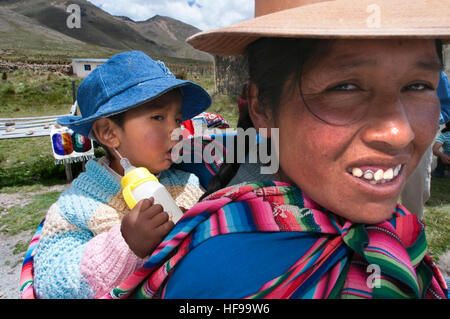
x: 170, y: 33
x: 28, y: 38
x: 28, y: 24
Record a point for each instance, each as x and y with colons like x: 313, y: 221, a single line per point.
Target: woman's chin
x: 369, y: 213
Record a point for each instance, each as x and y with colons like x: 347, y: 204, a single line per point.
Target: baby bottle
x: 138, y: 183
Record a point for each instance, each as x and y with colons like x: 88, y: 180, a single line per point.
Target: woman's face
x: 382, y: 95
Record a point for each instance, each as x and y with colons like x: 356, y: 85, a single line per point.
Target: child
x: 90, y: 241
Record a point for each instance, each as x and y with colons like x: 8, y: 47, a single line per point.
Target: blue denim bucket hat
x: 125, y: 81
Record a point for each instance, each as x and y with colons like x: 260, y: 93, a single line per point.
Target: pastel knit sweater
x: 81, y: 252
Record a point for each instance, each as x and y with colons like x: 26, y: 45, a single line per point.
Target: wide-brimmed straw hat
x: 349, y: 19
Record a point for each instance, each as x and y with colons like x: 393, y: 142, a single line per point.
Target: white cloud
x: 203, y: 14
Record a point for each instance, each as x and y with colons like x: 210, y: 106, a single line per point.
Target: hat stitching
x: 103, y: 82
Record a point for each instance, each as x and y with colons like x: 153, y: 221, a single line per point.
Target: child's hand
x: 145, y: 226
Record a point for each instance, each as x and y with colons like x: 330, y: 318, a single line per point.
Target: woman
x: 355, y: 103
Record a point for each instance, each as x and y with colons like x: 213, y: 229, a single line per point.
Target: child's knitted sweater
x: 81, y: 252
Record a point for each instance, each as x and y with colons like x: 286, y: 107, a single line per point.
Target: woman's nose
x: 389, y: 127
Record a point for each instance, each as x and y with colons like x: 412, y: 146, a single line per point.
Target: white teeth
x: 397, y: 170
x: 389, y: 174
x: 357, y: 172
x: 379, y: 177
x: 368, y: 174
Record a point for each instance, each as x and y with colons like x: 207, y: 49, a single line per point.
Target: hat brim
x: 195, y: 101
x: 349, y: 19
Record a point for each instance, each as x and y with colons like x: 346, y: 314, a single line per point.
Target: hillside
x: 28, y: 38
x: 170, y: 33
x: 40, y: 26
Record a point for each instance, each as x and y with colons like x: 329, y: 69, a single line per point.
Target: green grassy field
x: 26, y: 165
x: 35, y: 93
x: 437, y: 217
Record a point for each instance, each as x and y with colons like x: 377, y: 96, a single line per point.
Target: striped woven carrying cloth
x: 335, y: 266
x: 26, y: 274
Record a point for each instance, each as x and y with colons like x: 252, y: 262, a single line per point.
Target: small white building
x: 82, y: 67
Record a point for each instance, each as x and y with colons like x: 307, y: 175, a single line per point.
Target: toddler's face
x: 145, y: 138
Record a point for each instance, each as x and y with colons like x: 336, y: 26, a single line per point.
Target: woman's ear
x: 107, y: 132
x: 261, y: 116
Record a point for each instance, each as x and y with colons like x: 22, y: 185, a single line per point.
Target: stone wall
x: 7, y: 66
x: 230, y: 74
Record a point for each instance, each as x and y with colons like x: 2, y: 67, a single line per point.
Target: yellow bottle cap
x: 137, y: 175
x: 132, y: 180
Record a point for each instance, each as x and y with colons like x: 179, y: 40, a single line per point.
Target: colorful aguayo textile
x: 335, y: 266
x: 26, y: 275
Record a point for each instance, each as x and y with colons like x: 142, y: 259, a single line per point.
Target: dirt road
x: 10, y: 263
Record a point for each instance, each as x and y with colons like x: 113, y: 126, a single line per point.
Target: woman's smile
x: 375, y: 174
x: 379, y: 176
x: 378, y: 181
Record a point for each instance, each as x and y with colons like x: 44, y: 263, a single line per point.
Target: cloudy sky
x: 203, y: 14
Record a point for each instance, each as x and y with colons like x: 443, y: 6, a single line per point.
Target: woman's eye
x: 344, y: 87
x: 418, y: 87
x: 158, y: 117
